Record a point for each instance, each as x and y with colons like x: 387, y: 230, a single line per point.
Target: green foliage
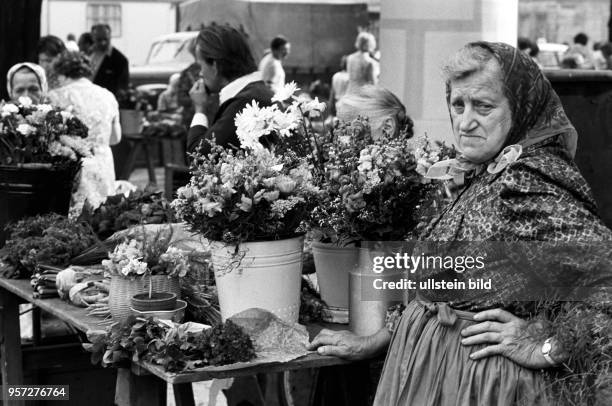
x: 49, y: 239
x: 119, y: 212
x: 175, y: 348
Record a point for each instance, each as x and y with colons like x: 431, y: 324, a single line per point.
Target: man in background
x: 85, y: 43
x: 71, y: 43
x: 110, y: 67
x: 271, y: 65
x: 580, y: 52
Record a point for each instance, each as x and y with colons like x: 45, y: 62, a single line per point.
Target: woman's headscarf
x: 537, y: 113
x: 36, y: 69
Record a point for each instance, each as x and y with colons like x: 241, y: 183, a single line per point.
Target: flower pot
x: 333, y: 265
x: 264, y: 274
x: 28, y: 191
x: 122, y: 289
x: 158, y: 301
x: 176, y: 314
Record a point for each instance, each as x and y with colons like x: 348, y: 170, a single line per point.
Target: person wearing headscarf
x: 98, y: 109
x: 27, y: 80
x: 522, y: 204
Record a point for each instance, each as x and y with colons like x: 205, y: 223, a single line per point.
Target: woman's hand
x: 345, y: 344
x: 508, y: 336
x: 199, y: 96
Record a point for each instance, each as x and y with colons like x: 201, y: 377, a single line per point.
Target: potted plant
x: 250, y: 203
x: 40, y: 152
x: 374, y: 190
x: 149, y: 264
x: 133, y: 105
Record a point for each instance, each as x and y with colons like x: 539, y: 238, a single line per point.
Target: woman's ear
x: 389, y: 126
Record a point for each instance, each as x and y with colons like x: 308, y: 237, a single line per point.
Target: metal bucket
x: 265, y: 275
x: 333, y: 264
x: 367, y: 305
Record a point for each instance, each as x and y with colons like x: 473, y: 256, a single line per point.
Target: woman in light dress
x: 98, y: 109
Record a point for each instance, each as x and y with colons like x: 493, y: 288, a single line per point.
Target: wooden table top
x: 77, y: 317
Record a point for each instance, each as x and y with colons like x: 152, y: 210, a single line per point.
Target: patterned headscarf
x: 537, y: 113
x: 36, y: 69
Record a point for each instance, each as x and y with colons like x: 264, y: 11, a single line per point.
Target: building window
x: 105, y: 14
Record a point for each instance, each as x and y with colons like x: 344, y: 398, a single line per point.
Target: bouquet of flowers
x: 255, y: 193
x: 149, y: 255
x: 285, y: 126
x: 246, y: 195
x: 40, y: 134
x: 134, y: 99
x: 374, y: 188
x: 163, y: 126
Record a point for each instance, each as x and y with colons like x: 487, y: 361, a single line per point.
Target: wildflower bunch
x: 40, y: 133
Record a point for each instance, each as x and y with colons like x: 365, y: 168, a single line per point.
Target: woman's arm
x: 345, y: 344
x: 115, y: 136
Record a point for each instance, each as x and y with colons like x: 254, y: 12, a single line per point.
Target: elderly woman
x: 98, y: 109
x: 517, y: 182
x: 386, y: 113
x: 27, y: 80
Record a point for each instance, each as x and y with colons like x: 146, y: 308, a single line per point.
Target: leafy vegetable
x: 50, y: 239
x: 175, y: 348
x: 120, y: 212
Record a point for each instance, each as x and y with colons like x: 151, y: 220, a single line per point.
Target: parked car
x: 168, y: 54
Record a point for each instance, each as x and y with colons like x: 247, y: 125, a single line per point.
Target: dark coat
x: 223, y: 126
x: 114, y: 72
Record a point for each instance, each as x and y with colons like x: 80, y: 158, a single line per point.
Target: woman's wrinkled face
x: 25, y: 83
x: 480, y: 113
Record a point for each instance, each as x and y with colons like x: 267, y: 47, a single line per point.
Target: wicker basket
x: 122, y: 290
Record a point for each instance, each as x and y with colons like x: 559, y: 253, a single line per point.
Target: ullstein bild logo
x: 432, y: 284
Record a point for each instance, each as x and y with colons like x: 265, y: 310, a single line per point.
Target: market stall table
x: 146, y: 383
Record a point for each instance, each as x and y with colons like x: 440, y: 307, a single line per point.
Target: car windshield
x: 169, y: 51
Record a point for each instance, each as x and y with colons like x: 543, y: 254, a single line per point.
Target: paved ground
x: 201, y: 393
x: 140, y: 177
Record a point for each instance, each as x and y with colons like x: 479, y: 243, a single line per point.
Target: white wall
x: 417, y: 36
x: 141, y: 22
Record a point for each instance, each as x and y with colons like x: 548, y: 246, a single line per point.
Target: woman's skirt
x: 427, y: 365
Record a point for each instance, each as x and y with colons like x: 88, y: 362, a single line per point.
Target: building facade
x: 134, y: 23
x: 559, y: 20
